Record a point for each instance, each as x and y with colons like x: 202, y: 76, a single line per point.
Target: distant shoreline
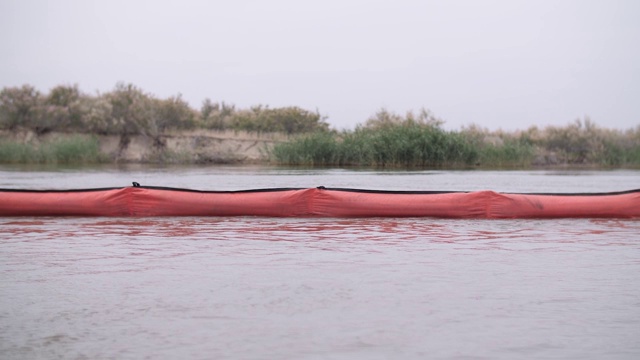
x: 184, y: 147
x: 128, y: 125
x: 201, y: 147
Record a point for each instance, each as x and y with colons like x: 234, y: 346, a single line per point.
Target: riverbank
x: 410, y: 144
x: 181, y: 147
x: 128, y: 125
x: 395, y: 147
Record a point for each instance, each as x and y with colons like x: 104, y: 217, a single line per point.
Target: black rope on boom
x: 135, y: 184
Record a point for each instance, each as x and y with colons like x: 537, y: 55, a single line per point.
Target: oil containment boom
x: 150, y: 201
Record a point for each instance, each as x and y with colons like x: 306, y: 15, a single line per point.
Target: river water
x: 272, y: 288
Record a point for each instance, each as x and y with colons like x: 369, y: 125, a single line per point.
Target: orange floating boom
x: 147, y: 201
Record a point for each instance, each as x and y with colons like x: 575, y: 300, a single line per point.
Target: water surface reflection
x: 251, y: 287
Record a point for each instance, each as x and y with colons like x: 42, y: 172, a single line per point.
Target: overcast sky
x: 499, y: 64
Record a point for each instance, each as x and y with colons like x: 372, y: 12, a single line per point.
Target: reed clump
x: 75, y: 149
x: 499, y: 149
x: 386, y: 140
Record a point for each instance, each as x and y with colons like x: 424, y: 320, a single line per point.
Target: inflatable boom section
x: 147, y: 201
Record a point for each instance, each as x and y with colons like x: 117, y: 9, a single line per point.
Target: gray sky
x: 499, y: 64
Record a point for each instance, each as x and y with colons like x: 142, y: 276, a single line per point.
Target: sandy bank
x: 196, y: 146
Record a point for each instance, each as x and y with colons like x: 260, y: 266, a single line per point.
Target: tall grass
x: 316, y: 149
x: 17, y: 153
x: 68, y: 150
x: 405, y: 145
x: 510, y: 154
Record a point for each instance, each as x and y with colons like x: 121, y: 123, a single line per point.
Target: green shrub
x: 63, y: 109
x: 132, y: 111
x: 173, y: 113
x: 216, y: 116
x: 20, y: 107
x: 289, y: 120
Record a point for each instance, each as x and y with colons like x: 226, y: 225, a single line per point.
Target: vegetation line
x: 390, y: 140
x: 76, y: 149
x: 385, y: 140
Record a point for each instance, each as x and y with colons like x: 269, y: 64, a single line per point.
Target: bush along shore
x: 158, y: 130
x: 419, y: 141
x: 67, y: 126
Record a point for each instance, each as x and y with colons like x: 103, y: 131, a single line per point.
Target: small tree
x: 20, y: 107
x: 63, y: 108
x: 132, y: 111
x: 290, y: 120
x: 384, y: 118
x: 216, y: 115
x: 173, y: 113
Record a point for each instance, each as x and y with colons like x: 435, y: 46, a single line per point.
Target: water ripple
x: 314, y: 288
